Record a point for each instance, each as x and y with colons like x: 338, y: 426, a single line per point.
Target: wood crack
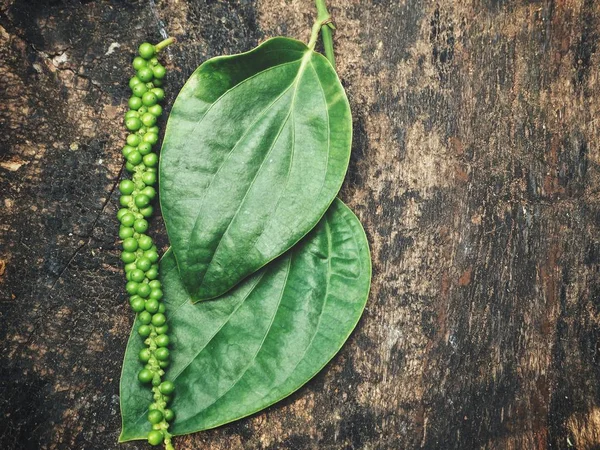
x: 90, y: 234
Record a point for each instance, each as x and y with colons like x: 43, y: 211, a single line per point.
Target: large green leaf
x: 255, y: 150
x: 261, y: 341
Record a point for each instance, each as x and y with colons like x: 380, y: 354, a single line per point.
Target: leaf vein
x: 253, y: 359
x: 232, y: 219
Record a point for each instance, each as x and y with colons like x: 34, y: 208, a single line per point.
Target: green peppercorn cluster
x: 140, y: 255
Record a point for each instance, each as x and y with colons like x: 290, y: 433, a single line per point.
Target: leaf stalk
x: 326, y: 26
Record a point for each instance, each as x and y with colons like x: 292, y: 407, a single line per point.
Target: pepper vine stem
x: 325, y: 25
x: 165, y: 43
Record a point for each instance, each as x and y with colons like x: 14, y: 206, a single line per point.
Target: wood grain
x: 475, y: 171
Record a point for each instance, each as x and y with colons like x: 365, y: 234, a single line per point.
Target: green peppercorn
x: 133, y: 140
x: 160, y: 94
x: 166, y: 387
x: 149, y: 192
x: 139, y: 90
x: 148, y: 119
x: 145, y: 147
x: 126, y: 187
x: 143, y: 290
x: 156, y: 294
x: 144, y: 330
x: 124, y: 200
x: 159, y: 71
x: 152, y: 273
x: 134, y: 157
x: 129, y: 267
x: 137, y: 304
x: 128, y: 257
x: 154, y: 284
x: 164, y: 365
x: 139, y: 62
x: 121, y: 212
x: 158, y: 82
x: 131, y: 287
x: 162, y: 340
x: 158, y: 319
x: 145, y: 74
x: 149, y: 178
x: 145, y: 242
x: 169, y: 415
x: 153, y: 61
x: 145, y: 317
x: 146, y: 50
x: 144, y: 355
x: 147, y: 211
x: 141, y: 200
x: 137, y: 275
x: 149, y: 99
x: 162, y: 330
x: 151, y: 138
x: 141, y: 226
x: 133, y: 123
x: 152, y: 255
x: 155, y: 416
x: 127, y: 219
x: 155, y: 110
x: 125, y: 232
x: 145, y: 376
x: 130, y: 245
x: 143, y: 264
x: 133, y: 81
x: 129, y: 167
x: 155, y: 437
x: 151, y: 305
x: 134, y: 102
x: 127, y: 149
x: 161, y: 353
x: 150, y: 160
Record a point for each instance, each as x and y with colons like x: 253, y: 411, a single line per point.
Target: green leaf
x: 255, y: 150
x: 261, y: 341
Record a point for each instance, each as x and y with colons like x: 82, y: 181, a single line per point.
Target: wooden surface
x: 475, y: 170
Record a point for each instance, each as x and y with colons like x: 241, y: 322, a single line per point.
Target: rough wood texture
x: 475, y: 170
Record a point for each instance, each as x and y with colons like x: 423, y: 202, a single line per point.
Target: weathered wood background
x: 475, y: 171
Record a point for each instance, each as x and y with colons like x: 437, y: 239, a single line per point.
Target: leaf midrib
x: 233, y: 217
x: 260, y: 116
x: 267, y: 331
x: 244, y: 81
x: 214, y: 176
x: 293, y: 152
x: 329, y: 253
x: 260, y: 277
x: 306, y: 59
